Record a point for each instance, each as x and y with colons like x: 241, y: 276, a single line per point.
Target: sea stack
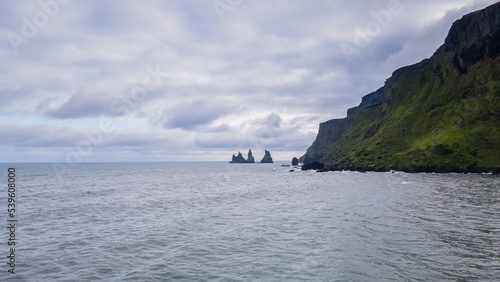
x: 267, y: 159
x: 250, y: 158
x: 238, y: 159
x: 241, y: 160
x: 295, y: 161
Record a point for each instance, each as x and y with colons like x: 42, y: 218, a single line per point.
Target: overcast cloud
x: 200, y: 80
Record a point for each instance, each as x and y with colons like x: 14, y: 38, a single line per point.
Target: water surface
x: 252, y: 222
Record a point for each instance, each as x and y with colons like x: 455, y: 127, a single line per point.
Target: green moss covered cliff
x: 442, y: 114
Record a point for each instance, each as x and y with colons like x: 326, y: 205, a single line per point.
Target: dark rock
x: 250, y: 157
x: 301, y: 159
x: 295, y: 161
x: 336, y: 168
x: 475, y: 35
x: 267, y: 159
x: 410, y: 169
x: 471, y: 166
x: 370, y: 168
x: 373, y: 99
x: 479, y: 170
x: 241, y: 160
x: 238, y: 159
x: 314, y: 165
x: 329, y: 131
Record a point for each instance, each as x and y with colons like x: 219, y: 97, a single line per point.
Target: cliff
x: 442, y: 114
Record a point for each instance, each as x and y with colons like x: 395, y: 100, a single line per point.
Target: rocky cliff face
x: 442, y: 114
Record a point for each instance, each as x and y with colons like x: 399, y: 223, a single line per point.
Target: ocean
x: 247, y: 222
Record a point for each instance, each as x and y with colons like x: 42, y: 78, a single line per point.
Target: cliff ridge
x: 442, y: 114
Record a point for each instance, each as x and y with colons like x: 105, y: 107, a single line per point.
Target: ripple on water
x: 185, y: 222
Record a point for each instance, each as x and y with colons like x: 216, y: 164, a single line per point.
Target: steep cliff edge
x: 442, y: 114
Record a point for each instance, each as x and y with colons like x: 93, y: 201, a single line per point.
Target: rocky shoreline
x: 320, y: 167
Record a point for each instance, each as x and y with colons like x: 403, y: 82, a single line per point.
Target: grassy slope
x: 433, y: 117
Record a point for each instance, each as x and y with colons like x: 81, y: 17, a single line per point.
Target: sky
x: 197, y: 80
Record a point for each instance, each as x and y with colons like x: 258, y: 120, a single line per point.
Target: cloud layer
x: 198, y: 80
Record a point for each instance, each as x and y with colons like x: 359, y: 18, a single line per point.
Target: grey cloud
x: 215, y: 142
x: 191, y: 115
x: 216, y: 129
x: 81, y: 105
x: 9, y: 96
x: 292, y: 141
x: 35, y: 136
x: 62, y: 137
x: 264, y: 133
x: 216, y: 76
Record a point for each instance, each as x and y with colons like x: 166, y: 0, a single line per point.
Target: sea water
x: 248, y: 222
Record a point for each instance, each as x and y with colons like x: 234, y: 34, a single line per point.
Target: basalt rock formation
x: 250, y: 158
x: 267, y: 159
x: 241, y: 160
x: 238, y: 159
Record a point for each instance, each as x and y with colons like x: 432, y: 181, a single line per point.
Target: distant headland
x: 439, y: 115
